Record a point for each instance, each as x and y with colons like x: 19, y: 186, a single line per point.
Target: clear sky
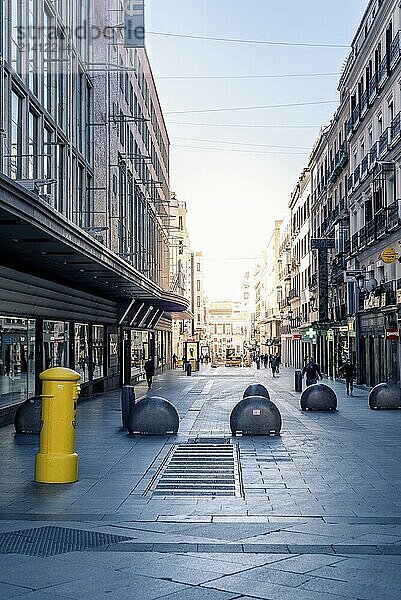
x: 236, y: 179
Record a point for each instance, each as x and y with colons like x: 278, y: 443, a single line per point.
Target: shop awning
x: 36, y: 239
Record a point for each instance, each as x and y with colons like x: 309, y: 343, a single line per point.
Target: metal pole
x: 357, y: 334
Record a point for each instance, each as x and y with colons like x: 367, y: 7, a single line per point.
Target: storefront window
x: 98, y: 351
x: 82, y: 351
x: 17, y: 360
x: 55, y: 344
x: 113, y: 350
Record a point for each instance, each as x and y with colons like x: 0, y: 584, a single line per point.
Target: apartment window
x: 15, y: 44
x: 47, y: 61
x: 198, y: 267
x: 198, y: 301
x: 16, y: 135
x: 33, y: 146
x: 180, y: 223
x: 370, y: 136
x: 379, y: 124
x: 198, y: 285
x: 390, y: 111
x: 33, y: 44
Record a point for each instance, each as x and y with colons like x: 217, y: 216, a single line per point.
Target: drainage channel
x: 197, y: 470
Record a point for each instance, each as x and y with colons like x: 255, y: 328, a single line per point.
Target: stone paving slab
x: 321, y: 504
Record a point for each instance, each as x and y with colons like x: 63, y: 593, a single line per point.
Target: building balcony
x: 373, y: 87
x: 373, y: 155
x: 339, y: 162
x: 313, y: 281
x: 364, y: 166
x: 363, y: 103
x: 384, y: 141
x: 395, y: 50
x: 395, y: 128
x: 294, y: 293
x: 355, y: 117
x: 383, y: 223
x: 348, y: 127
x: 382, y: 72
x: 349, y: 183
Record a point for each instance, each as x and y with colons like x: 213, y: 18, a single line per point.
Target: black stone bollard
x: 256, y: 389
x: 255, y: 415
x: 28, y: 418
x: 153, y: 416
x: 385, y: 396
x: 127, y: 403
x: 318, y: 397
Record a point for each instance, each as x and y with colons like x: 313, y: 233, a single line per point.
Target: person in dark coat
x: 149, y: 371
x: 273, y: 365
x: 312, y: 371
x: 348, y: 370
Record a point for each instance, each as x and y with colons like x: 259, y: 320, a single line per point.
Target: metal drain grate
x: 199, y: 470
x: 49, y: 541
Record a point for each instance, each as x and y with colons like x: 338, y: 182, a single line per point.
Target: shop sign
x: 330, y: 335
x: 343, y: 329
x: 372, y: 302
x: 351, y: 326
x: 389, y: 255
x: 296, y: 336
x: 392, y: 334
x: 398, y: 296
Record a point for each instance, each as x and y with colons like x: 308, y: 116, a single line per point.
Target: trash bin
x: 188, y: 368
x: 28, y: 416
x: 298, y: 381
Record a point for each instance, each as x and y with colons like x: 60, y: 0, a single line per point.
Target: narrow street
x: 312, y: 514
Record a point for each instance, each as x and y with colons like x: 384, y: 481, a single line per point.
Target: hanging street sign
x: 134, y: 23
x: 389, y: 255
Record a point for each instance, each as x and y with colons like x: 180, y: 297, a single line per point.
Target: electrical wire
x: 235, y: 125
x: 283, y: 76
x: 247, y: 41
x: 239, y: 143
x: 237, y: 108
x: 239, y: 150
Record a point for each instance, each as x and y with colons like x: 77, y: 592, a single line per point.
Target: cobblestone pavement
x: 315, y: 515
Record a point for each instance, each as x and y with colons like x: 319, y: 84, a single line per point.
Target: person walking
x: 149, y: 371
x: 273, y: 365
x: 265, y: 361
x: 175, y: 358
x: 348, y: 370
x: 312, y: 371
x: 278, y: 359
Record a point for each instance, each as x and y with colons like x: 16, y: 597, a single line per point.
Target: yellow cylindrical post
x: 56, y: 461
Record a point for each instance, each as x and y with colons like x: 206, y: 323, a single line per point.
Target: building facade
x: 354, y: 272
x: 227, y: 329
x: 268, y: 296
x: 84, y: 202
x: 198, y: 300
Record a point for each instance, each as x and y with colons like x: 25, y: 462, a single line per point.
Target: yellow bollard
x: 56, y: 461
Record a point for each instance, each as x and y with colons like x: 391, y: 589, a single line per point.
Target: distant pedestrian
x: 312, y: 372
x: 258, y: 362
x: 149, y: 371
x: 265, y: 361
x: 175, y: 358
x: 349, y: 372
x: 183, y: 362
x: 273, y: 365
x: 278, y: 359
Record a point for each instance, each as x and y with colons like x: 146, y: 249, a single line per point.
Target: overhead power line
x: 235, y: 125
x: 240, y: 143
x: 238, y: 150
x: 282, y: 76
x: 247, y: 41
x: 237, y: 108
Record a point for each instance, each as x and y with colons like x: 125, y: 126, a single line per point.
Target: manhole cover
x: 199, y: 469
x: 49, y: 540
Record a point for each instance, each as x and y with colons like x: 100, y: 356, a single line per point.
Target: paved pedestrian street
x: 313, y: 514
